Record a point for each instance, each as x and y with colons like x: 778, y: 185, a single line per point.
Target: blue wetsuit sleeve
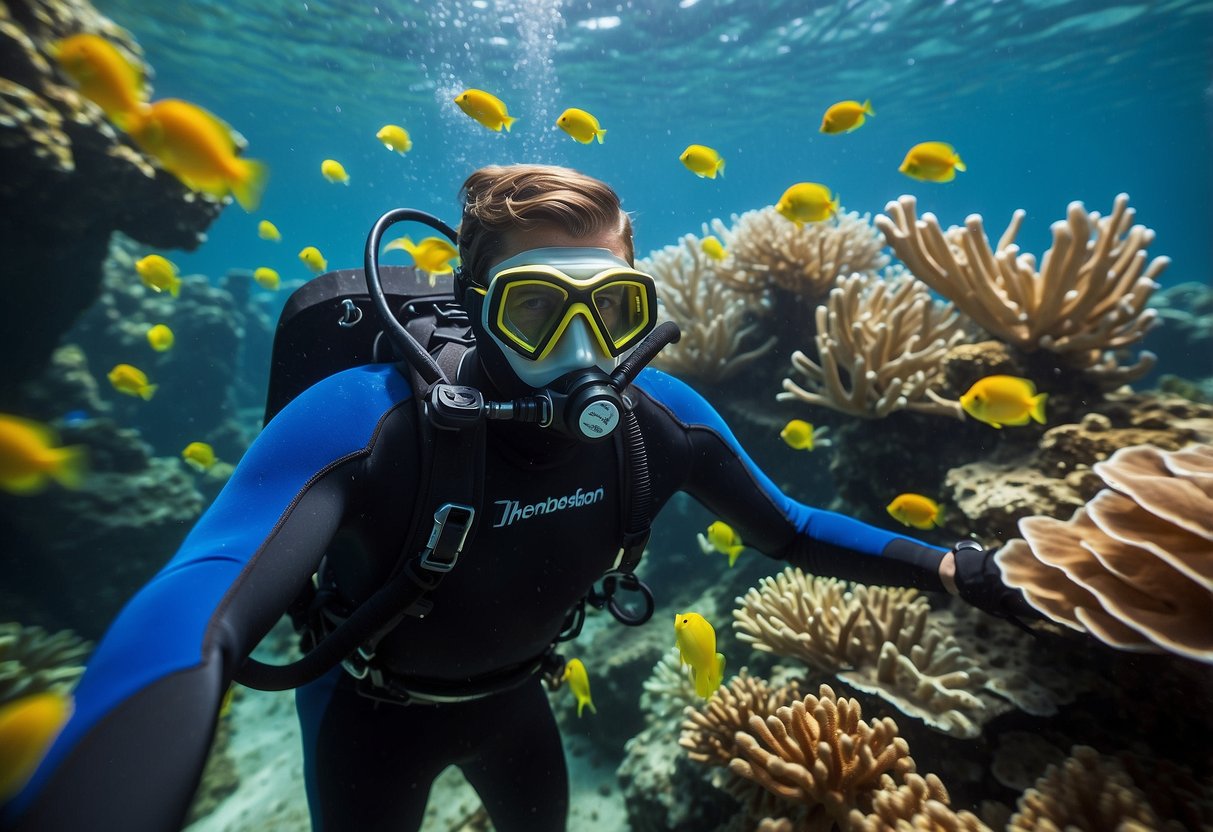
x: 723, y: 477
x: 131, y: 754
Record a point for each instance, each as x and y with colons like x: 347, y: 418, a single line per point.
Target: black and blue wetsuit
x: 335, y: 473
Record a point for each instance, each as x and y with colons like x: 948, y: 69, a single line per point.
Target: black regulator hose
x: 662, y: 336
x: 406, y: 345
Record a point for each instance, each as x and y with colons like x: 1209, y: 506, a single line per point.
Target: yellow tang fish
x: 28, y: 727
x: 713, y: 248
x: 266, y: 230
x: 932, y: 162
x: 915, y: 510
x: 696, y: 642
x: 104, y: 75
x: 334, y: 171
x: 798, y: 434
x: 721, y: 538
x: 485, y: 108
x: 313, y: 259
x: 395, y: 137
x: 846, y: 116
x: 161, y: 338
x: 29, y: 456
x: 267, y: 278
x: 132, y: 381
x: 199, y: 455
x: 702, y: 161
x: 579, y: 684
x: 1004, y: 400
x: 582, y: 126
x: 432, y: 255
x: 158, y: 274
x: 807, y: 202
x: 199, y: 149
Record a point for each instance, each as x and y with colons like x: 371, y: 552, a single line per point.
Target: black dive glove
x: 980, y: 583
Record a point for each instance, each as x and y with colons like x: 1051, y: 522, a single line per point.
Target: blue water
x: 1046, y: 101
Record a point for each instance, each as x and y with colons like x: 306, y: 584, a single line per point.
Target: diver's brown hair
x: 501, y: 198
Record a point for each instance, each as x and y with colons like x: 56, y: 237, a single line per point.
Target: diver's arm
x: 724, y: 478
x: 145, y: 710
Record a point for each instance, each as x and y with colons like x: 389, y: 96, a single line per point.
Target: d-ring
x: 352, y: 314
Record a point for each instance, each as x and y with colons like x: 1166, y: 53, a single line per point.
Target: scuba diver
x: 429, y: 523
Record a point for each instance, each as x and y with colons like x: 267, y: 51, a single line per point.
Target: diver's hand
x: 969, y: 571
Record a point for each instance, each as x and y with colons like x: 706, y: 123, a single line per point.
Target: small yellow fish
x: 915, y: 510
x: 199, y: 455
x: 485, y: 108
x: 104, y: 75
x: 932, y: 162
x: 334, y: 171
x: 28, y: 727
x: 161, y: 338
x: 30, y: 455
x: 582, y: 126
x: 846, y: 116
x: 702, y: 161
x: 807, y: 202
x: 721, y: 538
x: 579, y: 684
x: 266, y: 230
x: 432, y: 255
x: 713, y: 248
x: 798, y: 434
x: 313, y: 259
x: 158, y: 274
x: 1004, y: 400
x: 267, y: 278
x: 198, y: 148
x: 132, y: 381
x: 696, y: 642
x: 395, y: 137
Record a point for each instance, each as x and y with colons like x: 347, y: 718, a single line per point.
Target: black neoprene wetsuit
x: 335, y: 472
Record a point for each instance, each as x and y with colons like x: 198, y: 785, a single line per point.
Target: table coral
x: 1134, y: 566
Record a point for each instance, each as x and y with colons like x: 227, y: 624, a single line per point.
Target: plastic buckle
x: 358, y: 663
x: 452, y: 522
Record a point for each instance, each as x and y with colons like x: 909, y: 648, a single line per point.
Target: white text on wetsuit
x: 512, y: 510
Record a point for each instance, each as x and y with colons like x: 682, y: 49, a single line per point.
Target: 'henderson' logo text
x: 512, y: 510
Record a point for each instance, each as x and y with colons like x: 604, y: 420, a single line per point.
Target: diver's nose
x: 578, y: 340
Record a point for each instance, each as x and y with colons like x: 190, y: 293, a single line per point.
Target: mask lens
x: 530, y: 309
x: 623, y: 307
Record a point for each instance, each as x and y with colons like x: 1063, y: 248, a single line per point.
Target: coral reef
x: 766, y: 251
x: 920, y: 803
x: 32, y: 660
x: 880, y: 640
x: 820, y: 754
x: 1134, y: 566
x: 1087, y: 791
x: 1184, y: 341
x: 720, y: 325
x: 879, y: 343
x: 64, y: 164
x: 1087, y: 299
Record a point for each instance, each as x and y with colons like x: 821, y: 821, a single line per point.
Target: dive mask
x: 559, y: 309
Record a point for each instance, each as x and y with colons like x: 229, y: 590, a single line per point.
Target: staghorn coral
x: 879, y: 342
x: 668, y: 690
x: 878, y: 639
x: 1087, y: 299
x: 719, y: 324
x: 820, y: 754
x: 32, y: 660
x: 920, y: 803
x: 768, y: 251
x: 1134, y: 566
x: 1087, y: 791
